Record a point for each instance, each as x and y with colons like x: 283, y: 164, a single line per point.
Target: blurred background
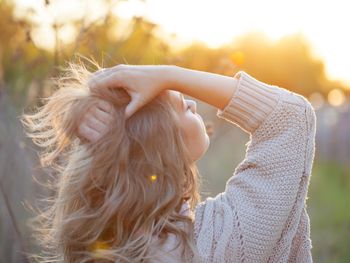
x: 298, y: 45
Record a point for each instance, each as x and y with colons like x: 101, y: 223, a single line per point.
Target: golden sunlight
x: 214, y: 23
x: 219, y: 22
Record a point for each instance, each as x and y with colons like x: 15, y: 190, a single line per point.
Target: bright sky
x: 323, y: 22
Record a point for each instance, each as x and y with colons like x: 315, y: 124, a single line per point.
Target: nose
x: 193, y: 105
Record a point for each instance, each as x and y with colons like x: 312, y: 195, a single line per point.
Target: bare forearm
x: 214, y: 89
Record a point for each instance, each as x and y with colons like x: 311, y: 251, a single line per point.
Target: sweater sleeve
x: 266, y: 194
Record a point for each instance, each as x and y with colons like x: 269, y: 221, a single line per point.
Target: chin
x: 200, y: 154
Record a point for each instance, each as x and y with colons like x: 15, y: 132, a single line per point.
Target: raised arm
x: 144, y: 82
x: 214, y: 89
x: 257, y: 217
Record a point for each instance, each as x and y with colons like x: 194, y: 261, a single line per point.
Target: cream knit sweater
x: 261, y: 216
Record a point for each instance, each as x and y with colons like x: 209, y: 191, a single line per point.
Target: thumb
x: 132, y: 107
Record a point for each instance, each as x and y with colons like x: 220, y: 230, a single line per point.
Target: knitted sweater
x: 261, y: 216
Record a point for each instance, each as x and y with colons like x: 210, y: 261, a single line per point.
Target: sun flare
x: 217, y: 22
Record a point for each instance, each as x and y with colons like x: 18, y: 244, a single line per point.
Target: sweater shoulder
x: 254, y: 101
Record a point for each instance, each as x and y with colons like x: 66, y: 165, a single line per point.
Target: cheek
x: 194, y: 129
x: 196, y: 137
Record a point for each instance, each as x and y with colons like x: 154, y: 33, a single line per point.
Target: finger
x: 89, y: 133
x: 111, y: 79
x: 132, y: 107
x: 105, y: 106
x: 95, y: 124
x: 94, y: 77
x: 101, y: 73
x: 103, y: 130
x: 102, y: 116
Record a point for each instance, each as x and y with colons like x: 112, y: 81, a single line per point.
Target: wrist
x: 170, y: 74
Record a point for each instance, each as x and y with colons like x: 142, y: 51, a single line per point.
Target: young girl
x: 124, y: 144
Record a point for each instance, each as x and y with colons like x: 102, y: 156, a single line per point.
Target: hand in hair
x: 96, y: 121
x: 141, y: 82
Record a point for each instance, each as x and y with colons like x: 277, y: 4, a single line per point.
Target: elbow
x: 308, y: 126
x: 306, y: 112
x: 310, y: 116
x: 301, y: 115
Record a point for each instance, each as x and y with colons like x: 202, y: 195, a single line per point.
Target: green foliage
x: 328, y: 205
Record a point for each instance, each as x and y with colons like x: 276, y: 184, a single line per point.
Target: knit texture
x: 261, y: 216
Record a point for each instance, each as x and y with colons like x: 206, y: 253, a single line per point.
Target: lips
x: 209, y: 127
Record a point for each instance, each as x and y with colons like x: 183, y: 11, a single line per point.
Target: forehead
x: 175, y: 97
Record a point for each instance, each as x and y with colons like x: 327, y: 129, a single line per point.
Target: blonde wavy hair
x: 133, y: 180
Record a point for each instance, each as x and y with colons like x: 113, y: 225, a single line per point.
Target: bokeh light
x: 336, y: 97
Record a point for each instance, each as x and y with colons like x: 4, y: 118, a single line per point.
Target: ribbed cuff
x: 251, y: 103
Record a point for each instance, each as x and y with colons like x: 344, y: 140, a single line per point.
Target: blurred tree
x: 288, y: 62
x: 21, y: 61
x: 140, y: 46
